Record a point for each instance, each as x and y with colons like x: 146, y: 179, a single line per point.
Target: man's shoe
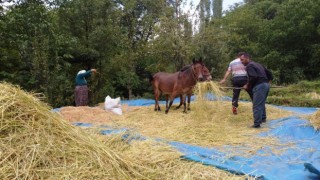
x: 256, y: 126
x: 234, y: 110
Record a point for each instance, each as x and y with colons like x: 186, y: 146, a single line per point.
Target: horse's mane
x: 185, y: 67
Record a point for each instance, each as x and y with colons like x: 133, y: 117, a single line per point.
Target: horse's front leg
x: 189, y: 99
x: 167, y: 100
x: 184, y: 103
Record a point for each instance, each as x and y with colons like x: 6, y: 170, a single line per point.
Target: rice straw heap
x: 36, y: 143
x: 208, y: 124
x: 315, y: 120
x: 203, y: 89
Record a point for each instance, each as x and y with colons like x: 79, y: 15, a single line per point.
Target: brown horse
x: 206, y: 77
x: 178, y: 83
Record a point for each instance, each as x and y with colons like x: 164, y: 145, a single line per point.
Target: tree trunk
x: 129, y: 92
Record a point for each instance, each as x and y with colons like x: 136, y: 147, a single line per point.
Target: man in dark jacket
x: 259, y: 79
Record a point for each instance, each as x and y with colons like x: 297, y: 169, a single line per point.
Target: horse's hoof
x: 166, y: 112
x: 189, y: 109
x: 185, y: 112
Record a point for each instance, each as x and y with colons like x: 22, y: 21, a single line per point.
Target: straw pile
x: 97, y: 115
x: 36, y: 143
x: 166, y: 162
x: 208, y: 124
x: 87, y: 114
x: 315, y: 120
x: 312, y: 95
x: 203, y: 88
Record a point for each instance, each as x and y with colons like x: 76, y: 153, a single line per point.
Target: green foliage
x: 43, y: 45
x: 283, y: 35
x: 302, y: 94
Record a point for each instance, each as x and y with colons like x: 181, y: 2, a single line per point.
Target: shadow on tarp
x: 299, y: 157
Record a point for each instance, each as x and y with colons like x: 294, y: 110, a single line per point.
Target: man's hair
x: 246, y: 55
x: 240, y: 54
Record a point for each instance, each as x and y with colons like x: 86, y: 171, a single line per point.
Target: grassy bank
x: 302, y: 94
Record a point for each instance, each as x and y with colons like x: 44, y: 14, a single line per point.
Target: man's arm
x: 225, y: 76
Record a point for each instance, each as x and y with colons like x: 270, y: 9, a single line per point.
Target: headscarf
x: 81, y: 72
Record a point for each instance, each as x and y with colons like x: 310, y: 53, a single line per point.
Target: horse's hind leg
x: 180, y: 102
x: 156, y: 98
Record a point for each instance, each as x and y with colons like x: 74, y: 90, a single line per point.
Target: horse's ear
x: 193, y: 60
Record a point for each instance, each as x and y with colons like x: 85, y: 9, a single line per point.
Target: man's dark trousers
x: 260, y: 93
x: 238, y: 82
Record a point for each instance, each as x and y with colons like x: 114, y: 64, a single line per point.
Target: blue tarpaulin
x: 296, y: 161
x: 148, y: 102
x: 299, y: 160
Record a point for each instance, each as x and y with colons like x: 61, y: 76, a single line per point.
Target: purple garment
x: 81, y: 95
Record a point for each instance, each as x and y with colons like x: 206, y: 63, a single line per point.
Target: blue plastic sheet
x: 299, y: 110
x: 81, y: 124
x: 304, y: 149
x: 148, y: 102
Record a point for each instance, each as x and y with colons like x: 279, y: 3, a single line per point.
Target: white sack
x: 110, y: 103
x: 113, y: 104
x: 117, y: 111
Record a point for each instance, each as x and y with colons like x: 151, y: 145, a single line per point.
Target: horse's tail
x: 150, y: 76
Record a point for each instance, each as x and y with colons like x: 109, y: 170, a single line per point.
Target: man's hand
x: 245, y: 87
x: 94, y: 70
x: 222, y: 81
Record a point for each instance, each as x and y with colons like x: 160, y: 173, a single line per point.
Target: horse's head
x: 197, y: 68
x: 206, y: 74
